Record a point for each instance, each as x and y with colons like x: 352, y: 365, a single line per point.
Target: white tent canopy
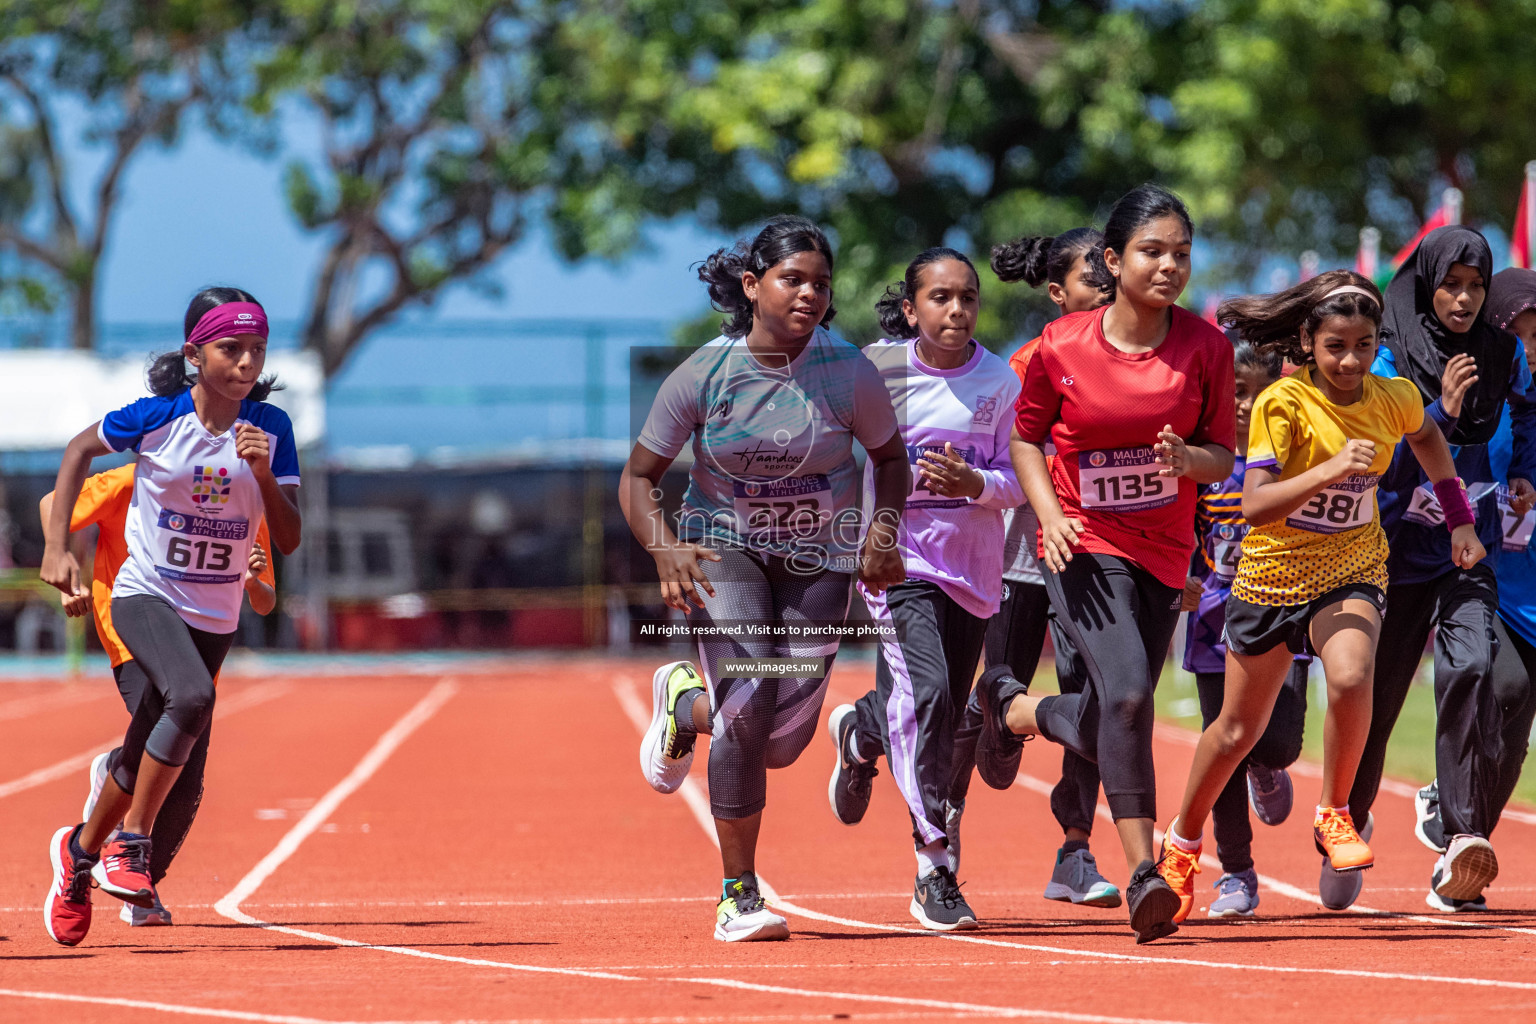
x: 47, y: 396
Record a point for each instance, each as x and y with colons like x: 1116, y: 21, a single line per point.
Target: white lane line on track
x: 1038, y: 785
x: 271, y: 1018
x: 247, y: 698
x: 624, y: 689
x: 386, y: 745
x: 25, y: 707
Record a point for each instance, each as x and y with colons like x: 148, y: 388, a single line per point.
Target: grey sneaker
x: 1236, y: 895
x: 1270, y: 793
x: 1338, y: 890
x: 938, y: 905
x: 997, y: 749
x: 146, y: 917
x: 1076, y: 879
x: 1426, y: 805
x: 1465, y: 869
x: 852, y: 781
x: 952, y: 815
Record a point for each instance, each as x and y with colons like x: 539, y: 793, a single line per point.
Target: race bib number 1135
x: 1123, y: 480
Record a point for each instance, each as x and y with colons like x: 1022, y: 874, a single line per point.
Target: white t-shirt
x: 195, y: 505
x: 773, y: 465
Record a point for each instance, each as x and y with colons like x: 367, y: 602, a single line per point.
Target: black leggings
x: 186, y: 796
x: 1015, y: 637
x: 763, y: 722
x: 1278, y: 747
x: 1121, y: 619
x: 180, y: 663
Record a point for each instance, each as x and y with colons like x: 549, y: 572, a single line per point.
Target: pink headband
x: 228, y: 320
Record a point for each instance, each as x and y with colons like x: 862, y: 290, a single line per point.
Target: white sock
x: 932, y: 857
x: 1179, y: 842
x: 1342, y: 810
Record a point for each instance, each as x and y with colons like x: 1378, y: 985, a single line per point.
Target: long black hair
x: 1134, y: 210
x: 167, y: 372
x: 1040, y: 258
x: 781, y: 238
x: 1246, y: 353
x: 893, y: 320
x: 1276, y: 322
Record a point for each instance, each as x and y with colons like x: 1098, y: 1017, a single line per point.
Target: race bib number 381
x: 1123, y: 480
x: 1347, y: 505
x: 197, y: 549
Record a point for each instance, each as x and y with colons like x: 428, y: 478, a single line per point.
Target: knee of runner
x: 1347, y: 680
x: 1234, y: 736
x: 1131, y: 707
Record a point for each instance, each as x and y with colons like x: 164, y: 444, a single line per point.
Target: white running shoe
x: 1076, y: 879
x: 744, y: 917
x: 145, y: 917
x: 1426, y: 806
x: 1465, y: 869
x: 1338, y: 890
x: 665, y: 754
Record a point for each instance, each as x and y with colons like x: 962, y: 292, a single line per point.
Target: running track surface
x: 481, y: 847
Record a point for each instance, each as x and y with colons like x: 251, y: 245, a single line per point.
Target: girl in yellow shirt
x: 1312, y: 576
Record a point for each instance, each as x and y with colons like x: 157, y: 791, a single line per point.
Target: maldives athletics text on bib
x: 1346, y: 505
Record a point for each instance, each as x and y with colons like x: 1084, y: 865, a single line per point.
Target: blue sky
x: 206, y: 212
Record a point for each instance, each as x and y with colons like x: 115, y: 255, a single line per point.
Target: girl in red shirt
x: 1137, y: 398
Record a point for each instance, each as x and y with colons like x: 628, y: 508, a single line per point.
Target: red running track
x: 481, y: 847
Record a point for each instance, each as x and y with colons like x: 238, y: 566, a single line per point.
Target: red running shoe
x: 123, y: 871
x: 67, y: 913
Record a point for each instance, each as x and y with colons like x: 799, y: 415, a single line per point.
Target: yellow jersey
x: 1335, y: 537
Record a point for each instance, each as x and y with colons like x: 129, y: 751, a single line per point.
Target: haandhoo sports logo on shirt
x: 986, y: 410
x: 210, y: 487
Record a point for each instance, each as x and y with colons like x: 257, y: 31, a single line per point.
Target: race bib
x: 1346, y: 505
x: 1516, y: 528
x: 921, y: 496
x: 198, y: 549
x: 775, y: 511
x: 1123, y: 480
x: 1226, y: 550
x: 1424, y: 508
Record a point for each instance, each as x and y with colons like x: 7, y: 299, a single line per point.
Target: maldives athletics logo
x: 210, y: 487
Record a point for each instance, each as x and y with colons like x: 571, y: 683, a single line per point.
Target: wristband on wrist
x: 1452, y: 495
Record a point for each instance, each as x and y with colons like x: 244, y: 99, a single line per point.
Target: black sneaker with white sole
x: 1426, y: 806
x: 937, y: 903
x: 997, y: 749
x: 852, y: 781
x: 1153, y: 903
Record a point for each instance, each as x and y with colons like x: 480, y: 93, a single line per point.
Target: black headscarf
x: 1512, y: 292
x: 1422, y: 345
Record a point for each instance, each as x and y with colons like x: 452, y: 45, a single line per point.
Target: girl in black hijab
x: 1437, y: 332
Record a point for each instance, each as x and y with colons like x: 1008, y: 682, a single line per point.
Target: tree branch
x: 64, y: 219
x: 30, y: 249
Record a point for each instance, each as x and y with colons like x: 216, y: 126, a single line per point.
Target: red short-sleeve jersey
x: 1103, y: 409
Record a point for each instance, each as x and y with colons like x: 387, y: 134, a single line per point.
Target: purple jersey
x: 954, y: 542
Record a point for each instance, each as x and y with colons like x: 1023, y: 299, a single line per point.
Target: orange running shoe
x: 1179, y: 870
x: 1336, y: 838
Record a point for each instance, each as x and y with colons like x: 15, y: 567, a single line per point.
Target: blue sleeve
x: 285, y: 454
x: 1522, y: 413
x: 124, y: 428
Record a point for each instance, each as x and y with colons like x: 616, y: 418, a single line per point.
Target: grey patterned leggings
x: 763, y: 722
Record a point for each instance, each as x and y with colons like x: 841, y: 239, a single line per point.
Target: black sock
x: 683, y: 711
x: 77, y: 851
x: 1073, y: 845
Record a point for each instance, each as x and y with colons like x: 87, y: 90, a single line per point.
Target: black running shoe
x: 998, y: 750
x: 1153, y: 904
x: 849, y: 790
x: 937, y: 903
